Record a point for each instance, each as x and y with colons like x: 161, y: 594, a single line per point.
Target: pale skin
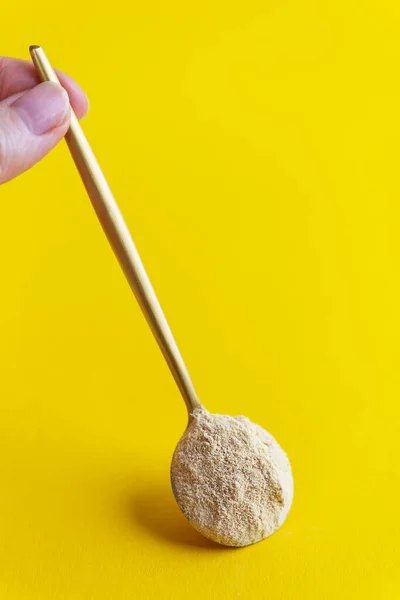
x: 34, y: 116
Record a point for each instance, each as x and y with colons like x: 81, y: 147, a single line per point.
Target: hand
x: 34, y: 116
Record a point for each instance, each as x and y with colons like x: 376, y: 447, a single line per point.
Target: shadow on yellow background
x: 154, y: 509
x: 253, y: 149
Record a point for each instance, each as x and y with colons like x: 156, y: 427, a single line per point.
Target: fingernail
x: 43, y: 107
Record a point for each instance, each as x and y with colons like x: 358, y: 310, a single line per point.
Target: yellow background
x: 254, y: 150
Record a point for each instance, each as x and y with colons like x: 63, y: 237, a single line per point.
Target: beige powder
x: 231, y: 479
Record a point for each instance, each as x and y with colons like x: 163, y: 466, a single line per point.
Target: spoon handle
x: 121, y: 241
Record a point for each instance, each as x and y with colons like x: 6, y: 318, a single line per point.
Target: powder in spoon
x: 231, y: 479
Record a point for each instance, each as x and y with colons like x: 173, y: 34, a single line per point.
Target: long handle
x: 121, y: 241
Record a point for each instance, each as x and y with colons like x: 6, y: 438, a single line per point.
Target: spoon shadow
x: 154, y: 509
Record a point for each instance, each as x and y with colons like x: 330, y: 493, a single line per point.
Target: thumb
x: 31, y: 124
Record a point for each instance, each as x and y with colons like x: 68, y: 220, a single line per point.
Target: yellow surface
x: 254, y: 150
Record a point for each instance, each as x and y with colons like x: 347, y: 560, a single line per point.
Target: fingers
x: 19, y: 75
x: 31, y: 124
x: 77, y: 97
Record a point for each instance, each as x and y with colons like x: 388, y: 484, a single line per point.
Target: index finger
x: 18, y: 75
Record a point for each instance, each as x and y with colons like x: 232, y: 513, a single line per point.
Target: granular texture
x: 231, y: 479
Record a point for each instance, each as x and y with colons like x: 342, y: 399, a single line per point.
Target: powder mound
x: 231, y: 479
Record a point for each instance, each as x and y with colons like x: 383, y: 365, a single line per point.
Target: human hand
x: 34, y: 116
